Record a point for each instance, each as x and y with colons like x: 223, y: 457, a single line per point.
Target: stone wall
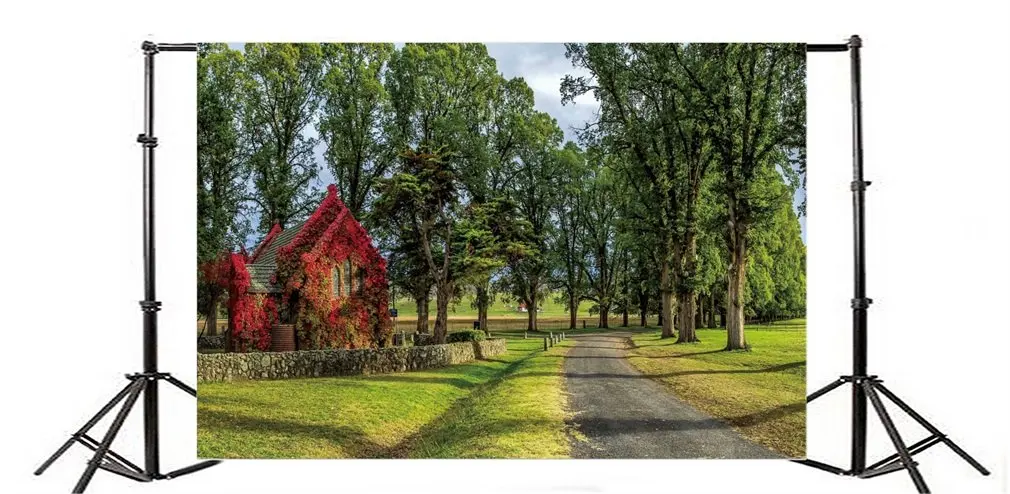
x: 215, y: 342
x: 212, y: 367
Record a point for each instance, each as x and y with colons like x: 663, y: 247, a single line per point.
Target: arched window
x: 336, y: 281
x: 361, y: 280
x: 347, y: 278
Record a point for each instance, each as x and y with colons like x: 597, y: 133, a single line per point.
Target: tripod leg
x: 83, y: 430
x: 135, y: 389
x: 892, y: 431
x: 181, y: 385
x: 936, y: 432
x: 825, y: 390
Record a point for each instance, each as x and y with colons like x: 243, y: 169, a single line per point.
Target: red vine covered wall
x: 305, y: 273
x: 251, y: 315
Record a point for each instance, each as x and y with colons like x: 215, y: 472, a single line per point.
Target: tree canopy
x: 676, y: 199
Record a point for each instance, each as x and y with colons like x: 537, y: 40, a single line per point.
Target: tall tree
x: 628, y: 125
x: 566, y: 245
x: 355, y: 111
x: 754, y: 97
x: 498, y: 141
x: 685, y: 142
x: 438, y: 93
x: 458, y: 242
x: 221, y: 170
x: 280, y: 99
x: 534, y: 193
x: 604, y: 253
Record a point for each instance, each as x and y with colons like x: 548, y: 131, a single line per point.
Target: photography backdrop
x: 936, y: 121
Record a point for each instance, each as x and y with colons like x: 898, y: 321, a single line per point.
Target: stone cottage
x: 321, y: 282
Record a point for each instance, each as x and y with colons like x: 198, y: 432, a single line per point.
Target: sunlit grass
x: 761, y: 392
x: 465, y: 410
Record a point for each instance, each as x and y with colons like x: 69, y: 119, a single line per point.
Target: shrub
x: 467, y: 335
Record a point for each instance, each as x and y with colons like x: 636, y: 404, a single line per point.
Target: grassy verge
x: 464, y: 411
x: 761, y: 392
x: 519, y: 414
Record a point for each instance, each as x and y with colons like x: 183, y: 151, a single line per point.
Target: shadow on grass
x: 351, y: 440
x: 445, y: 425
x: 768, y: 415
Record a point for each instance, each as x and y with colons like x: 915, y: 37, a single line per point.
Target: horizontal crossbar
x: 92, y: 444
x: 914, y: 449
x: 118, y: 469
x: 831, y: 47
x: 884, y: 470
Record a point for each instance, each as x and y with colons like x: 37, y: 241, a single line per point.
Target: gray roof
x: 261, y: 271
x: 259, y: 278
x: 269, y: 254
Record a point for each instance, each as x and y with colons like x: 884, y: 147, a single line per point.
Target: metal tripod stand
x: 868, y: 386
x: 143, y: 383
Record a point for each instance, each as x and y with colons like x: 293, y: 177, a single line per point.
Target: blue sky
x: 542, y: 65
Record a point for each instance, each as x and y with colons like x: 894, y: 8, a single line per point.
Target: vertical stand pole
x: 864, y: 386
x: 145, y: 383
x: 859, y: 301
x: 150, y: 305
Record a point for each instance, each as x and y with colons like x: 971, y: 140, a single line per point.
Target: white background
x: 936, y: 91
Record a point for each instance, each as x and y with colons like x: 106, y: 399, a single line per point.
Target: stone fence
x: 215, y: 342
x: 213, y: 367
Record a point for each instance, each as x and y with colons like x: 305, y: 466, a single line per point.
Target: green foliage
x: 281, y: 95
x: 355, y: 114
x: 468, y: 335
x: 221, y: 166
x: 697, y: 149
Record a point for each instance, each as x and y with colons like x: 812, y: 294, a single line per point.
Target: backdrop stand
x: 145, y: 382
x: 866, y: 386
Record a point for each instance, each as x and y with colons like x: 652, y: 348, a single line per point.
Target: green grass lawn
x: 476, y: 410
x: 761, y: 392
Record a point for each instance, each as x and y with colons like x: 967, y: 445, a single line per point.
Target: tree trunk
x: 711, y: 310
x: 422, y: 313
x: 212, y: 313
x: 735, y: 339
x: 685, y: 333
x: 666, y: 291
x: 625, y: 316
x: 573, y: 310
x: 604, y: 316
x: 531, y: 314
x: 699, y: 313
x: 482, y: 303
x: 643, y: 307
x: 442, y: 294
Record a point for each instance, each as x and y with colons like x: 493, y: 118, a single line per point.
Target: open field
x: 761, y: 392
x: 508, y: 407
x: 500, y: 308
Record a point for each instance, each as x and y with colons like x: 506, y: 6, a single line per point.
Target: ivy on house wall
x: 305, y: 271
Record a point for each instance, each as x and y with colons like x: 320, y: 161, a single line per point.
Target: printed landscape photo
x: 503, y: 250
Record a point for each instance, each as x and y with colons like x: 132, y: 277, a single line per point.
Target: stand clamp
x: 150, y: 306
x: 150, y: 376
x: 147, y: 141
x: 859, y: 185
x: 861, y: 303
